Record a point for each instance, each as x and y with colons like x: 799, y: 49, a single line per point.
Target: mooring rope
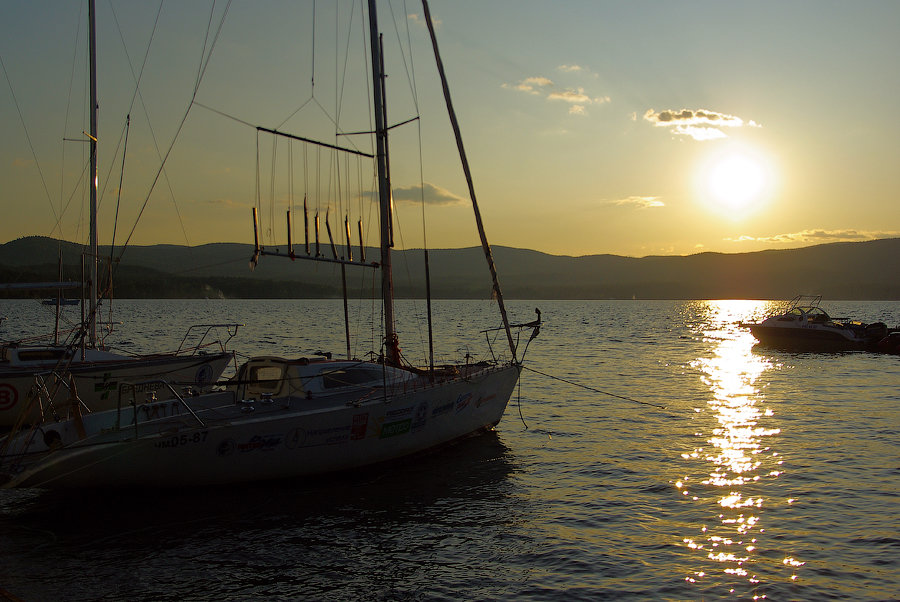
x: 646, y: 403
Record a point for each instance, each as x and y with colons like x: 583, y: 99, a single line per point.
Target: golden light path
x: 737, y: 453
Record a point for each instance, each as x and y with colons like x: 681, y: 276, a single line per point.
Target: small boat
x: 281, y: 417
x: 62, y: 301
x: 37, y: 381
x: 890, y: 343
x: 805, y: 325
x: 41, y: 375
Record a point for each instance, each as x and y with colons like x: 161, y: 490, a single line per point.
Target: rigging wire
x: 415, y: 95
x: 258, y: 195
x: 595, y: 390
x: 62, y: 171
x: 290, y: 178
x: 112, y: 244
x: 137, y: 95
x: 223, y: 114
x: 204, y: 63
x: 121, y: 181
x: 272, y: 190
x: 30, y: 145
x: 410, y: 68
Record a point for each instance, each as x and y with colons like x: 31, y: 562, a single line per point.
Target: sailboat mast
x: 94, y: 251
x: 392, y: 351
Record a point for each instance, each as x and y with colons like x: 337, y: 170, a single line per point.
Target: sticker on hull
x: 360, y: 424
x: 9, y: 397
x: 393, y: 429
x: 299, y: 437
x: 181, y: 440
x: 463, y: 401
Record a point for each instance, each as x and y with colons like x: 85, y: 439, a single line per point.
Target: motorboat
x: 890, y: 343
x: 806, y: 325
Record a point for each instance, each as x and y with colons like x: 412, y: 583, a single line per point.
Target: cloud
x: 818, y: 236
x: 531, y: 85
x: 19, y: 163
x: 433, y: 195
x: 699, y: 124
x: 700, y: 133
x: 420, y: 20
x: 225, y: 203
x: 574, y: 96
x: 641, y: 202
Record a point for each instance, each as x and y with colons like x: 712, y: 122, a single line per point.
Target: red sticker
x: 8, y: 396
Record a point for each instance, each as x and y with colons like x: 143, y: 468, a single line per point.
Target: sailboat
x: 280, y: 417
x: 41, y: 382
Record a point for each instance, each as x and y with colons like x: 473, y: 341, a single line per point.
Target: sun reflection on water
x: 736, y: 451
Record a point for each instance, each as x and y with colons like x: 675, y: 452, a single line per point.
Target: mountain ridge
x: 854, y: 270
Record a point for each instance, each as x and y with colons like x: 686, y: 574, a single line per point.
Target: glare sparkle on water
x: 736, y: 449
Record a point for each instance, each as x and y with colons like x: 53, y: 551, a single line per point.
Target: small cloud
x: 531, y: 85
x: 699, y: 124
x: 641, y: 202
x: 817, y: 236
x: 574, y: 96
x: 544, y: 86
x: 231, y: 203
x: 700, y: 133
x: 419, y: 20
x: 20, y: 163
x: 431, y: 194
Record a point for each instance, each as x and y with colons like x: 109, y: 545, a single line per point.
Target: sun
x: 736, y: 181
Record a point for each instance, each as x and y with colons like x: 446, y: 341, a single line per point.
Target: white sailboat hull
x: 285, y: 418
x: 97, y: 382
x: 280, y: 438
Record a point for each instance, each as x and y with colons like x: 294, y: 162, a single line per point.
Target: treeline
x: 142, y: 283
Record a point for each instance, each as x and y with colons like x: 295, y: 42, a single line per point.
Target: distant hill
x: 858, y: 270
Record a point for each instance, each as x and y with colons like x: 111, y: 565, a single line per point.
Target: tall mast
x: 392, y: 351
x: 94, y: 252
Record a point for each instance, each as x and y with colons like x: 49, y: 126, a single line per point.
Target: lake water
x: 715, y: 469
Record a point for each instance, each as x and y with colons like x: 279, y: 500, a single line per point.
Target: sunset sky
x: 633, y: 128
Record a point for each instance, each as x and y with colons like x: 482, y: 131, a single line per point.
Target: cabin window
x: 41, y: 355
x: 265, y: 378
x: 350, y: 376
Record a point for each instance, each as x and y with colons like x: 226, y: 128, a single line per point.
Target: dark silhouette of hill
x: 857, y: 270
